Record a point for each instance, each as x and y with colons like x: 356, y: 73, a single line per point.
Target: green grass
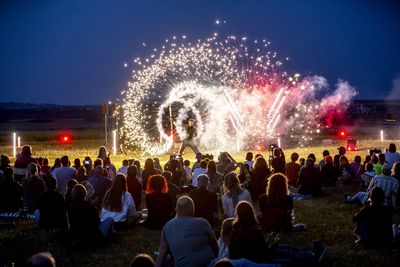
x: 327, y: 218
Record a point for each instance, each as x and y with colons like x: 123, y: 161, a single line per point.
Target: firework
x: 236, y: 90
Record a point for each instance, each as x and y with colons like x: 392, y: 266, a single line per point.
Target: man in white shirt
x: 198, y: 171
x: 124, y: 168
x: 64, y: 174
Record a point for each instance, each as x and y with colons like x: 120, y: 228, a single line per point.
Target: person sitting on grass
x: 81, y: 178
x: 214, y: 176
x: 142, y: 260
x: 374, y: 222
x: 42, y: 259
x: 391, y: 155
x: 159, y: 202
x: 173, y: 189
x: 205, y: 201
x: 45, y: 168
x: 188, y: 171
x: 387, y: 183
x: 329, y: 173
x: 118, y: 204
x: 309, y: 179
x: 55, y: 167
x: 51, y: 208
x: 377, y: 164
x: 249, y: 160
x: 190, y: 241
x: 278, y: 161
x: 11, y: 192
x: 22, y: 161
x: 68, y: 198
x: 64, y: 174
x: 33, y: 187
x: 276, y: 205
x: 124, y: 168
x: 247, y: 239
x: 84, y: 220
x: 198, y: 171
x: 258, y: 177
x: 368, y: 175
x: 148, y: 171
x: 233, y: 193
x: 292, y: 169
x: 100, y: 184
x: 323, y: 162
x: 134, y: 186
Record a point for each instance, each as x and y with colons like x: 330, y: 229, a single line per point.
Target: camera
x: 86, y: 162
x: 272, y: 147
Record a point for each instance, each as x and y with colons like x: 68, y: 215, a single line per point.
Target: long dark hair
x: 149, y: 164
x: 277, y: 189
x: 245, y: 216
x: 113, y: 197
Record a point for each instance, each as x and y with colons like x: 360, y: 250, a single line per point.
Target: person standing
x: 191, y: 133
x: 64, y: 174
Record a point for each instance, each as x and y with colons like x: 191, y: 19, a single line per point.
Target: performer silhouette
x: 191, y: 132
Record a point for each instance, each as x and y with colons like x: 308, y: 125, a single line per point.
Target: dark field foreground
x: 327, y: 218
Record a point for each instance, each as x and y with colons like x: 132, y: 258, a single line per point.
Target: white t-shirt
x: 196, y: 174
x: 250, y: 163
x: 128, y: 210
x: 227, y: 203
x: 63, y: 175
x: 188, y: 172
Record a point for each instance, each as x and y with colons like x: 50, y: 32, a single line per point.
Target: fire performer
x: 191, y: 132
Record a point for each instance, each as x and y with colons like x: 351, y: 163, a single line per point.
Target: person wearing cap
x: 206, y: 202
x: 191, y: 133
x: 386, y: 182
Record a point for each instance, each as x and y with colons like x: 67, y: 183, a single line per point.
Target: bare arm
x: 163, y: 253
x: 213, y: 243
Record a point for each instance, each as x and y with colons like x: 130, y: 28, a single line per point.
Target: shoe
x: 319, y: 250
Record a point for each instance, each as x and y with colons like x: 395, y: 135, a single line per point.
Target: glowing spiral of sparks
x: 234, y: 89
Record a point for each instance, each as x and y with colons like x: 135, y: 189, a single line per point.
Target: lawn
x: 328, y: 219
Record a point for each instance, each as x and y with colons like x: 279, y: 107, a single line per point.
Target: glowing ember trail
x: 236, y: 90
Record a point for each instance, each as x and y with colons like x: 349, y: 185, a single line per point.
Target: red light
x: 342, y: 134
x: 65, y: 138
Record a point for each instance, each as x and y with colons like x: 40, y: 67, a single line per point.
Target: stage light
x: 382, y: 139
x: 114, y: 147
x: 342, y: 134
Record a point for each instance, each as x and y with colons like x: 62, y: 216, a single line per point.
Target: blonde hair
x: 31, y: 171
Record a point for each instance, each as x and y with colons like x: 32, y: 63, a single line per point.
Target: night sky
x: 73, y: 52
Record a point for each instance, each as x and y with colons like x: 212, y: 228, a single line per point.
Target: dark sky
x: 73, y: 51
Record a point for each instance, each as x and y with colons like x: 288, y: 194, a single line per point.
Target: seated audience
x: 387, y: 183
x: 68, y: 198
x: 118, y: 204
x: 81, y: 178
x: 124, y: 168
x: 134, y: 186
x: 148, y: 171
x: 77, y: 164
x: 249, y: 160
x: 276, y: 205
x: 368, y: 174
x: 329, y: 173
x: 225, y: 165
x: 21, y: 163
x: 100, y: 184
x: 142, y: 260
x: 214, y: 176
x: 173, y: 189
x: 292, y: 170
x: 188, y: 171
x: 233, y: 193
x: 51, y: 208
x: 42, y: 259
x: 205, y: 202
x: 190, y: 241
x: 64, y: 174
x: 323, y: 162
x: 45, y: 168
x: 391, y: 155
x: 33, y: 187
x: 11, y: 192
x: 309, y: 179
x: 175, y: 167
x: 159, y: 202
x: 55, y: 167
x: 247, y: 239
x: 198, y: 171
x: 258, y: 178
x: 278, y: 161
x: 374, y: 222
x: 84, y: 220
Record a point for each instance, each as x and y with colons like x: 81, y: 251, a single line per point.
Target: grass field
x: 327, y: 218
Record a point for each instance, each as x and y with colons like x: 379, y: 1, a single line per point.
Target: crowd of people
x: 206, y: 211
